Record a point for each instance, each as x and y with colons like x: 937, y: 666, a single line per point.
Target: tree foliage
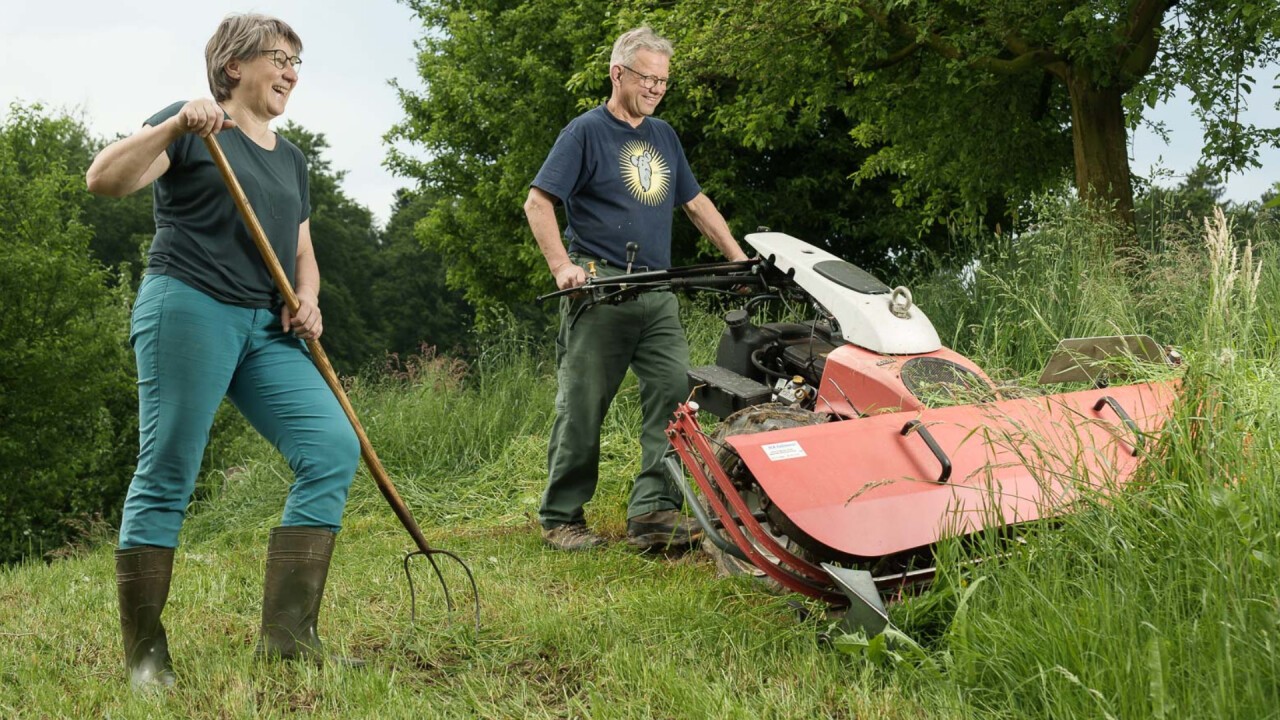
x: 381, y: 291
x: 67, y: 420
x: 872, y: 127
x: 345, y: 240
x: 495, y: 101
x: 120, y: 229
x: 970, y: 98
x: 502, y: 79
x: 414, y: 305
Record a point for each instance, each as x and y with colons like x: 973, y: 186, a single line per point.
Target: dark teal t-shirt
x: 200, y: 237
x: 619, y: 184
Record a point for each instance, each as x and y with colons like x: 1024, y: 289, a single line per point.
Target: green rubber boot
x: 297, y: 568
x: 142, y: 581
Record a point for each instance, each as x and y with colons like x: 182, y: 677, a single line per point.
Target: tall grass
x: 1159, y: 601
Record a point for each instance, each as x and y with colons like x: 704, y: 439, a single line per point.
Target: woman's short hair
x: 625, y: 47
x: 241, y: 37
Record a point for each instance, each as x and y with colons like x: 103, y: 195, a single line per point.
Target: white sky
x: 119, y: 61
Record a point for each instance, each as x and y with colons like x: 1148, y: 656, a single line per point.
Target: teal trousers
x: 191, y: 352
x: 593, y: 354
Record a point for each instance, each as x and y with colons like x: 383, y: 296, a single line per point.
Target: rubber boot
x: 142, y: 581
x: 297, y: 567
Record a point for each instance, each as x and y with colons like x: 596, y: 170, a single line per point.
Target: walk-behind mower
x: 851, y: 444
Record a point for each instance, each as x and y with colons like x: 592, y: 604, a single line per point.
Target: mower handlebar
x: 728, y: 274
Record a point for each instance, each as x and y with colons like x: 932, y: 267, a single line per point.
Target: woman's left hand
x: 307, y: 324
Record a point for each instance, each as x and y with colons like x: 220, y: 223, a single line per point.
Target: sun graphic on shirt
x: 645, y: 172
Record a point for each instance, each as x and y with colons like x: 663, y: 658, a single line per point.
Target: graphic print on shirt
x: 645, y: 172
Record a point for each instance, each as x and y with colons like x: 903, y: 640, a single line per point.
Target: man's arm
x: 711, y: 223
x: 540, y: 209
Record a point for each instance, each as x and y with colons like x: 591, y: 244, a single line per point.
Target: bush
x: 68, y: 425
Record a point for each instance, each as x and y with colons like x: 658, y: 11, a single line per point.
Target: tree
x: 496, y: 72
x: 414, y: 305
x: 345, y: 240
x: 968, y: 96
x: 68, y: 428
x: 503, y: 77
x: 121, y: 227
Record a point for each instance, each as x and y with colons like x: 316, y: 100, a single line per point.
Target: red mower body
x: 908, y: 442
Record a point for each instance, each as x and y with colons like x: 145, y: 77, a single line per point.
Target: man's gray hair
x: 625, y: 47
x: 241, y: 37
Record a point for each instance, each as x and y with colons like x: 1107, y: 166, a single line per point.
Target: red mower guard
x: 862, y: 490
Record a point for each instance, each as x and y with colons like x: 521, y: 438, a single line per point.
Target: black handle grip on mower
x: 1124, y: 417
x: 924, y: 433
x: 725, y: 274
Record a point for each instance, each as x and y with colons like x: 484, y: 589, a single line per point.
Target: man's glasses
x: 280, y: 59
x: 648, y: 82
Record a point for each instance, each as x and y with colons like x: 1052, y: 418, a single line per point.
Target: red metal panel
x: 860, y: 382
x: 860, y: 487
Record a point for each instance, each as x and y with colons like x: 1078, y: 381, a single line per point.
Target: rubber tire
x: 748, y: 421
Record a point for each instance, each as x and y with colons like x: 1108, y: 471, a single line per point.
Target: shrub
x: 67, y: 420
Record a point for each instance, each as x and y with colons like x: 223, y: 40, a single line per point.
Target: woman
x: 208, y: 323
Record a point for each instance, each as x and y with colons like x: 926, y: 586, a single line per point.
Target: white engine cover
x: 865, y: 318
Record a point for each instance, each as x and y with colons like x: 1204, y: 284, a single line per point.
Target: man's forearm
x: 711, y: 224
x: 546, y: 231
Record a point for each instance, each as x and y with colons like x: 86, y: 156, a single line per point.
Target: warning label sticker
x: 784, y: 450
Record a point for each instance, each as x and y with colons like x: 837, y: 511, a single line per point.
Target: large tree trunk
x: 1100, y: 140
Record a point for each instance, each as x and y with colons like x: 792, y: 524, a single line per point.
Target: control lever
x: 632, y: 249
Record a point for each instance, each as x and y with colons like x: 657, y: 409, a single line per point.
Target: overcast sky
x: 119, y: 61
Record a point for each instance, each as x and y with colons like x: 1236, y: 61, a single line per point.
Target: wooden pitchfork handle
x: 326, y: 369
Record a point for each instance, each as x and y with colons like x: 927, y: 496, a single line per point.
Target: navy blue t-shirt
x: 619, y: 184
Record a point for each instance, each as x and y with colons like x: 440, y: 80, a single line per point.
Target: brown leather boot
x: 662, y: 530
x: 297, y: 568
x: 142, y: 582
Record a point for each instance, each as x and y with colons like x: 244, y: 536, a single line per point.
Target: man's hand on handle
x: 569, y: 275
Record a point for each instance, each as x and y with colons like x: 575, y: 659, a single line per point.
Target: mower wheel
x: 750, y: 420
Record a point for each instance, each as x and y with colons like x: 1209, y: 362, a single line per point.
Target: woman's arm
x: 132, y: 163
x: 307, y: 324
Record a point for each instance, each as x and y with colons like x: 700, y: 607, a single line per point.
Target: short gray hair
x: 641, y: 38
x: 241, y: 37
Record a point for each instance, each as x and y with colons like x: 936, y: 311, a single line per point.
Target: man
x: 620, y: 173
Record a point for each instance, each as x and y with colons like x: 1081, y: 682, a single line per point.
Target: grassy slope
x: 1159, y: 603
x: 607, y: 634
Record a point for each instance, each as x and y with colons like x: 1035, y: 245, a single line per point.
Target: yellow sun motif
x: 645, y: 172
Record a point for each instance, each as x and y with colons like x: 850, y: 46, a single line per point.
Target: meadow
x: 1159, y: 602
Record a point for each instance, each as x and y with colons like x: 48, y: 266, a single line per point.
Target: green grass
x: 1160, y: 601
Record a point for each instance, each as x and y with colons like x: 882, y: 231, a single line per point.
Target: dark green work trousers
x: 593, y: 354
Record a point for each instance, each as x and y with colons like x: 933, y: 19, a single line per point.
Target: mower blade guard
x: 864, y: 489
